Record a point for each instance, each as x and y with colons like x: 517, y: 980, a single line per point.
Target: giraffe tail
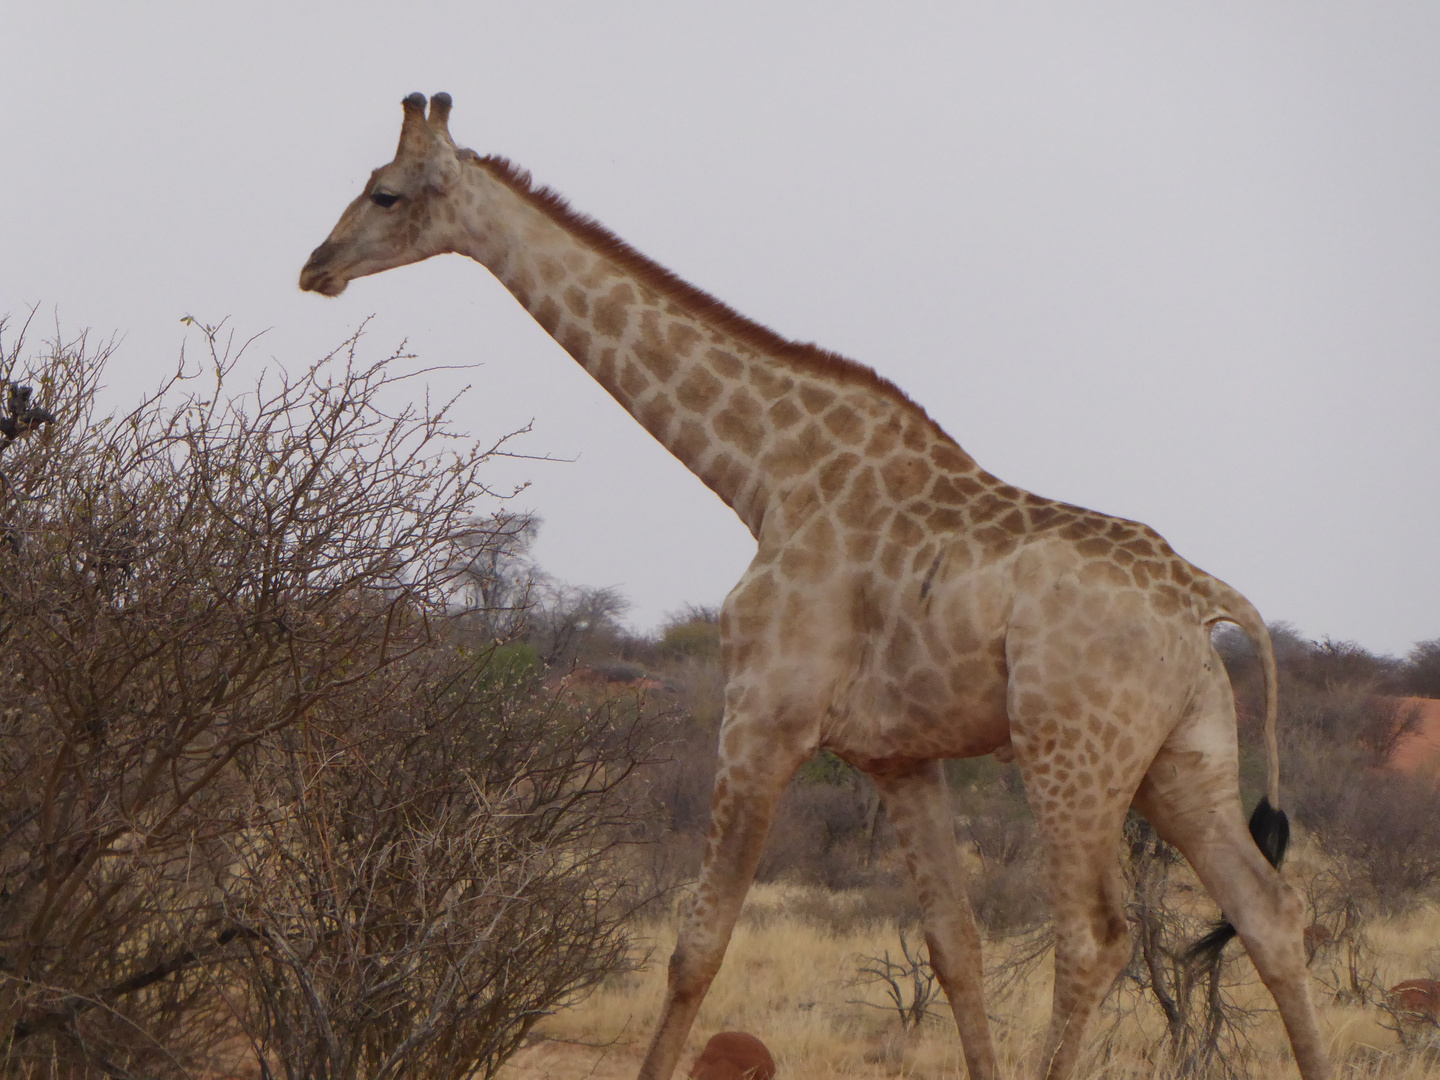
x: 1269, y: 826
x: 1229, y: 606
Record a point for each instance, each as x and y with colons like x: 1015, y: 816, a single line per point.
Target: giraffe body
x: 904, y: 606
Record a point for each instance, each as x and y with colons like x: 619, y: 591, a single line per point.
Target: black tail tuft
x: 1209, y: 947
x: 1270, y: 829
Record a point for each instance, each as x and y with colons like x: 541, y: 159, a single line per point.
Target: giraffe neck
x: 747, y: 412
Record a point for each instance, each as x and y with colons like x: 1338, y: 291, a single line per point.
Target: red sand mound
x: 1420, y: 752
x: 733, y: 1055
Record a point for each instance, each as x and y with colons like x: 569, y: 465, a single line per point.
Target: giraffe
x: 904, y: 606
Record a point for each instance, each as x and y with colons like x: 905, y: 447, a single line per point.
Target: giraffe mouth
x: 324, y: 284
x: 318, y: 276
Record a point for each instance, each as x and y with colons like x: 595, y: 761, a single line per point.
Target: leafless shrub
x: 1337, y: 926
x: 1412, y: 1009
x: 1007, y: 890
x: 1014, y: 957
x: 1364, y: 726
x: 1386, y: 834
x: 205, y: 603
x: 418, y: 887
x: 908, y: 982
x: 1314, y: 665
x: 1353, y: 974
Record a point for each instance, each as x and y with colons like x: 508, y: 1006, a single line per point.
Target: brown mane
x: 700, y: 304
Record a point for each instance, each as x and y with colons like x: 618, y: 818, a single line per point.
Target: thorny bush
x: 256, y: 791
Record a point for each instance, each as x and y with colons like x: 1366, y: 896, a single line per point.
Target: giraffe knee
x: 1094, y: 953
x: 1291, y: 907
x: 1284, y: 913
x: 1112, y: 945
x: 1114, y: 927
x: 1117, y: 949
x: 691, y: 972
x: 1099, y: 945
x: 1274, y: 931
x: 1110, y: 927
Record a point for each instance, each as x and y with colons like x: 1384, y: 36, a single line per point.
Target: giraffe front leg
x: 918, y: 803
x: 748, y: 786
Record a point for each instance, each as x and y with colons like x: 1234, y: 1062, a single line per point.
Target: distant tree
x: 691, y: 632
x: 1316, y: 665
x: 498, y: 572
x: 511, y: 598
x: 1421, y: 674
x: 571, y: 624
x: 1340, y: 720
x: 1348, y: 664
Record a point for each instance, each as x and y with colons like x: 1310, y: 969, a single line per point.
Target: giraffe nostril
x: 320, y: 256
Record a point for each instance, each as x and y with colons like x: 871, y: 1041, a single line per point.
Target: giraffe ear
x: 440, y: 114
x: 442, y: 170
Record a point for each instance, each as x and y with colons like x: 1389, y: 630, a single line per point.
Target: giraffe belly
x: 932, y: 680
x: 951, y: 711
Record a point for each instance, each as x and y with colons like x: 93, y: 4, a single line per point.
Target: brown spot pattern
x: 612, y: 312
x: 699, y: 390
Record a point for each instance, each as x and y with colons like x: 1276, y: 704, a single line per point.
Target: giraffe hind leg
x: 1092, y: 933
x: 1270, y: 829
x: 1081, y: 763
x: 917, y: 802
x: 1191, y: 796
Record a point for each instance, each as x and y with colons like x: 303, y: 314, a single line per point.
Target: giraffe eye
x: 384, y: 198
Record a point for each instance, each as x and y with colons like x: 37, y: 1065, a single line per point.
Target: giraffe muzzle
x: 317, y: 275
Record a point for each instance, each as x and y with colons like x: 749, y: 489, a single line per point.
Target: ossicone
x: 415, y: 136
x: 440, y: 113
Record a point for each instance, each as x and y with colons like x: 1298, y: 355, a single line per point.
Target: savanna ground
x: 792, y: 976
x: 833, y: 898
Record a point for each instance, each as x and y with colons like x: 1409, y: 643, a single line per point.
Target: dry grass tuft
x: 791, y: 979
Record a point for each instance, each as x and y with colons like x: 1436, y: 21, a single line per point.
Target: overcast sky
x: 1176, y: 262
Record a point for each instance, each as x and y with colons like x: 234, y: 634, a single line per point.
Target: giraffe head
x: 398, y: 218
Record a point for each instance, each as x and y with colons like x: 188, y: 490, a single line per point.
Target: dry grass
x: 790, y: 977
